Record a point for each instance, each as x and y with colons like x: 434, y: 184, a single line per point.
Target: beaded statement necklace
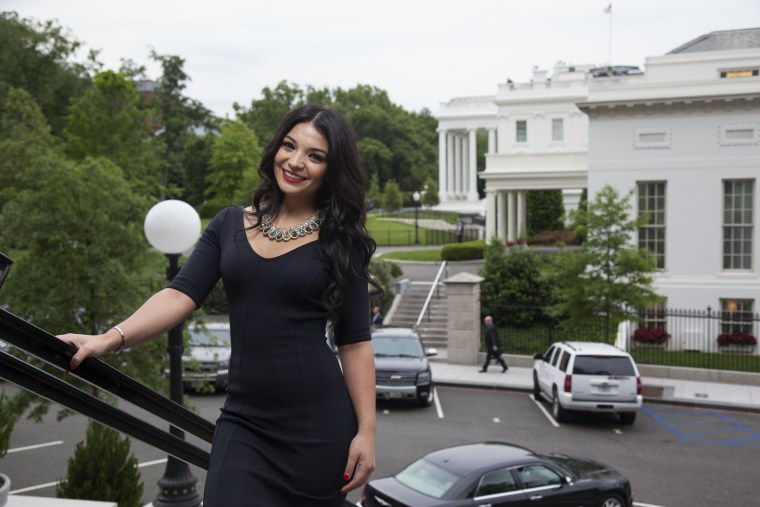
x: 276, y: 233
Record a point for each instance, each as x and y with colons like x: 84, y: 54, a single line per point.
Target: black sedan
x: 491, y: 474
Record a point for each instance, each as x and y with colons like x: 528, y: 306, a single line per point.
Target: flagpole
x: 609, y: 44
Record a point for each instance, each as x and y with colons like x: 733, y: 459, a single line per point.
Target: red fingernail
x: 72, y: 366
x: 346, y: 477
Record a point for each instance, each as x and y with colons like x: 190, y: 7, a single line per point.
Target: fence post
x: 463, y: 322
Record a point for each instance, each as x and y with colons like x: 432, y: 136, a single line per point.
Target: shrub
x: 102, y: 468
x: 463, y: 251
x: 737, y: 338
x: 651, y: 335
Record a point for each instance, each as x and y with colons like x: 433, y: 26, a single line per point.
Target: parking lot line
x: 36, y: 446
x: 437, y: 403
x: 547, y: 414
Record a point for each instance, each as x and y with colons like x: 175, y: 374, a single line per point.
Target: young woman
x: 298, y: 427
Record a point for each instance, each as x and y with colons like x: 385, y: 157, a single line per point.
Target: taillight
x: 568, y: 383
x: 638, y: 386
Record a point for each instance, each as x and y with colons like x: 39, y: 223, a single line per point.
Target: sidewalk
x: 664, y: 390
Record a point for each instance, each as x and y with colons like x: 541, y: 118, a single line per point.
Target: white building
x: 685, y: 137
x: 537, y: 139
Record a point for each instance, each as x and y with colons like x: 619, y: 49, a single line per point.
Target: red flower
x: 651, y: 335
x: 737, y: 338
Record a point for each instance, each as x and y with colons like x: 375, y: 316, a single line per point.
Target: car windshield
x: 427, y: 478
x: 603, y: 365
x: 210, y: 337
x: 389, y: 346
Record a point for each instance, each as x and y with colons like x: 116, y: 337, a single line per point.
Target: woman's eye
x: 288, y: 145
x: 316, y: 158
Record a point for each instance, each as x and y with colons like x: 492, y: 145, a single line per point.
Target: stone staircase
x: 434, y: 331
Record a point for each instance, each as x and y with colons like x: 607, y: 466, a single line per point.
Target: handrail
x: 433, y: 288
x: 50, y: 349
x: 46, y: 385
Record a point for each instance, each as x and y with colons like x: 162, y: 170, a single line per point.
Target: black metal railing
x: 722, y: 340
x: 57, y: 353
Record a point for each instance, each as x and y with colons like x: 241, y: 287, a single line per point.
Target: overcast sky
x: 422, y: 52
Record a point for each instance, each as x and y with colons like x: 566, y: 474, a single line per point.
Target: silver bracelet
x: 121, y: 333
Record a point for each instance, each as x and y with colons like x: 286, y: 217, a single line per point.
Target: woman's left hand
x: 361, y: 462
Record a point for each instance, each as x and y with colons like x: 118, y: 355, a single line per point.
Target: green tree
x: 111, y: 121
x: 609, y: 275
x: 392, y: 198
x: 265, y: 113
x: 513, y: 292
x: 196, y: 160
x: 545, y: 211
x: 177, y: 116
x: 27, y: 146
x: 430, y: 196
x: 383, y: 272
x: 36, y: 57
x: 81, y: 257
x: 102, y: 468
x: 374, y: 192
x: 235, y: 158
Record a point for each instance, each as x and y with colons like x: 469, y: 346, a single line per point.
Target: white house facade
x: 685, y: 138
x: 537, y: 139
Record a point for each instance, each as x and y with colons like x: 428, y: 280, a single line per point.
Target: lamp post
x: 416, y: 196
x: 173, y: 227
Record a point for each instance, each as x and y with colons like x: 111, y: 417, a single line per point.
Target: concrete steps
x: 434, y: 325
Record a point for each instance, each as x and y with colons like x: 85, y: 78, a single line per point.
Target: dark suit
x: 493, y: 348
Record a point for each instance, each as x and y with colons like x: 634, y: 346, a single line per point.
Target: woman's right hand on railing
x: 91, y: 345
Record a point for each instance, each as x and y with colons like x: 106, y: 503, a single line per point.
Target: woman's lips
x: 292, y: 177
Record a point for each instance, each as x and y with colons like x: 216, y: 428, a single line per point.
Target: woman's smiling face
x: 300, y: 164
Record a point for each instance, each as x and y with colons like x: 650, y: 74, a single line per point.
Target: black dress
x: 283, y: 435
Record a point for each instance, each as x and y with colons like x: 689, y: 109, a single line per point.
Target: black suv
x: 401, y: 366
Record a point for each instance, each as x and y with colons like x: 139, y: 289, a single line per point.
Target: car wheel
x: 426, y: 401
x: 536, y: 388
x: 628, y: 418
x: 611, y: 500
x: 559, y: 413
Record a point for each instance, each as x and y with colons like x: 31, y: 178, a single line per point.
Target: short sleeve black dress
x: 283, y: 435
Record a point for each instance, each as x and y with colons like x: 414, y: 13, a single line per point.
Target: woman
x: 294, y: 430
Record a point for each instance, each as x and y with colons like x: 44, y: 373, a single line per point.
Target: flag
x: 608, y: 9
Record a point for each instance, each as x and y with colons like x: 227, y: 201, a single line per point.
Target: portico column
x: 491, y: 214
x: 442, y: 169
x: 457, y: 165
x: 465, y: 167
x: 511, y: 215
x: 492, y: 140
x: 472, y: 190
x: 522, y: 229
x: 501, y: 202
x: 450, y: 167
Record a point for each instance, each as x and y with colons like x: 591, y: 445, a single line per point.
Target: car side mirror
x: 431, y: 352
x: 538, y: 357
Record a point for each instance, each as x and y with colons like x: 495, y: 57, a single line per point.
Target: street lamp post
x: 416, y: 196
x: 173, y: 227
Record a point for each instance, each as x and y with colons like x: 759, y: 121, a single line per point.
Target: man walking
x: 493, y: 348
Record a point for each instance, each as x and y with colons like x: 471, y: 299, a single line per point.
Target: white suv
x: 587, y: 376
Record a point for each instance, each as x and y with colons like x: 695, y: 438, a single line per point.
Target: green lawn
x: 393, y: 233
x: 429, y: 255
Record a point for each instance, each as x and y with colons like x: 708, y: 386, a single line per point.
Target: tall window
x: 736, y: 316
x: 738, y: 224
x: 558, y: 129
x: 652, y: 233
x: 522, y: 131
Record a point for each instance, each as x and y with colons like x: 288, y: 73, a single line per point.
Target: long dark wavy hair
x: 341, y: 199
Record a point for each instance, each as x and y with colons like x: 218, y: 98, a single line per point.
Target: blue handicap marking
x: 704, y: 426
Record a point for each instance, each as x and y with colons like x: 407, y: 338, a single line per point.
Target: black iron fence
x: 723, y: 340
x: 391, y: 237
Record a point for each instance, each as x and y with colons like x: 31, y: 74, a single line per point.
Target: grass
x: 428, y: 255
x: 393, y: 233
